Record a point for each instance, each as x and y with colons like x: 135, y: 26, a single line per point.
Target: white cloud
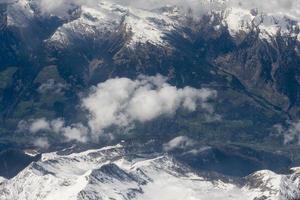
x: 180, y: 142
x: 292, y: 7
x: 188, y: 145
x: 51, y: 86
x: 57, y: 125
x: 121, y: 101
x: 291, y: 134
x: 197, y: 151
x: 62, y: 7
x: 74, y: 132
x: 42, y: 143
x: 274, y: 6
x: 57, y: 7
x: 39, y: 125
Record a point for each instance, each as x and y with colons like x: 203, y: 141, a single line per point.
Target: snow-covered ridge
x: 110, y: 173
x: 269, y: 25
x: 104, y: 18
x: 107, y: 18
x: 149, y: 26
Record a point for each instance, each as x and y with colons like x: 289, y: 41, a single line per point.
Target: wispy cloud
x: 41, y: 142
x: 51, y: 86
x: 291, y: 133
x: 186, y: 145
x: 180, y: 142
x: 39, y: 125
x: 120, y: 102
x: 74, y: 132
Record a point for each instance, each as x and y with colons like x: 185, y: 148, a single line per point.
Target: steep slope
x: 105, y: 18
x: 110, y: 173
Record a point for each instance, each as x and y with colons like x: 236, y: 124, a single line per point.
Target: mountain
x: 52, y: 59
x: 13, y: 161
x: 113, y: 173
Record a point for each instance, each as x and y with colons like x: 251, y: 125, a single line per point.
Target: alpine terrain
x: 148, y: 100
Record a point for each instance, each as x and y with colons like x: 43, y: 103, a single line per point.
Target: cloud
x: 51, y: 86
x: 292, y: 7
x: 199, y: 7
x: 39, y: 125
x: 74, y: 132
x: 42, y: 143
x: 287, y: 7
x: 122, y: 101
x: 62, y: 7
x: 57, y: 7
x: 180, y: 142
x: 186, y: 145
x: 291, y: 133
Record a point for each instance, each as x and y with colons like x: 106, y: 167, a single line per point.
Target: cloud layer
x: 121, y: 101
x: 290, y: 7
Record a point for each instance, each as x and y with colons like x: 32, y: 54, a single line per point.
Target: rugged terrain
x: 50, y: 61
x: 114, y: 173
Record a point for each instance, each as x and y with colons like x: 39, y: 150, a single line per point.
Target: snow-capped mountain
x: 153, y: 26
x: 106, y: 19
x: 249, y: 56
x: 267, y: 25
x: 114, y: 173
x: 101, y: 19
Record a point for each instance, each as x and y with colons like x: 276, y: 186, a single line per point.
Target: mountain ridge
x: 249, y: 57
x: 109, y: 173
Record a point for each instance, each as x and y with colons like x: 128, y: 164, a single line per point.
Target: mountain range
x: 224, y: 83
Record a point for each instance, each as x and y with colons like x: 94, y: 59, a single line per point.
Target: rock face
x: 112, y: 173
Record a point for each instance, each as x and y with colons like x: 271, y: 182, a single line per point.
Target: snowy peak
x: 269, y: 25
x: 111, y: 173
x: 152, y: 26
x: 104, y: 19
x: 266, y: 182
